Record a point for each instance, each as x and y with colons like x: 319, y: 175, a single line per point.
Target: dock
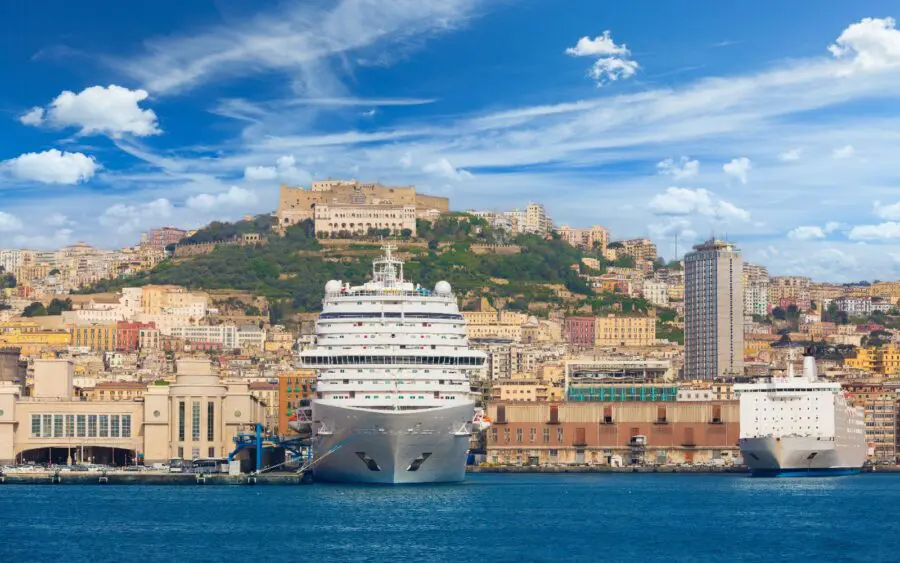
x: 152, y: 478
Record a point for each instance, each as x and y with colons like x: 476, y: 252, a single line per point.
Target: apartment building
x: 713, y: 312
x: 591, y: 237
x: 756, y: 290
x: 880, y: 406
x: 624, y: 330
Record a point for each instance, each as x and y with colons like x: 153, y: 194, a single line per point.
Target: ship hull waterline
x: 801, y: 457
x: 357, y: 445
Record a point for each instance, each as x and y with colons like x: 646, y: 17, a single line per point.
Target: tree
x: 36, y: 309
x: 54, y: 272
x: 406, y: 233
x: 56, y: 306
x: 779, y: 314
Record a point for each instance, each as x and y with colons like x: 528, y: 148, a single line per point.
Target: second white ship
x: 800, y: 426
x: 393, y: 401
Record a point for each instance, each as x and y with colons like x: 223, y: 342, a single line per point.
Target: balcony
x: 716, y: 421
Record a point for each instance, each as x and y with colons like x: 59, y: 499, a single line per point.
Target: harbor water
x: 489, y: 517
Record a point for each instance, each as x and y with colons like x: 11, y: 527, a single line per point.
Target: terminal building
x: 195, y: 417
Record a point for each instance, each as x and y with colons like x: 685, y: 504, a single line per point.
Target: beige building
x: 591, y: 237
x: 713, y: 312
x: 267, y: 394
x: 788, y: 290
x: 358, y: 219
x: 756, y: 290
x: 299, y: 204
x: 621, y: 330
x: 197, y: 416
x: 641, y: 249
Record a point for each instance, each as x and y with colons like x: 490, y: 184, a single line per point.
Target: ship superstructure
x: 393, y: 401
x: 800, y: 426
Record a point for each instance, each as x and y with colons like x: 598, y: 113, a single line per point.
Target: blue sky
x: 774, y: 125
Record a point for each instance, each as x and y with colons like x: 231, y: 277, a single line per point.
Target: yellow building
x: 620, y: 330
x: 887, y: 360
x: 96, y: 337
x: 864, y: 360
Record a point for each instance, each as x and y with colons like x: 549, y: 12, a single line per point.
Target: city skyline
x: 649, y: 134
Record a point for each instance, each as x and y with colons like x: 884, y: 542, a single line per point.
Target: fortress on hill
x: 355, y: 207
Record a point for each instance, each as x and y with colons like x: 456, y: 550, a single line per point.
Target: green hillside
x: 291, y: 271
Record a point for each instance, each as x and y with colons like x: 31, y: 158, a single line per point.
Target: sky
x: 773, y: 124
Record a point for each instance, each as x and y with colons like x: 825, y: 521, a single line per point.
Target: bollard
x: 201, y: 479
x: 251, y: 480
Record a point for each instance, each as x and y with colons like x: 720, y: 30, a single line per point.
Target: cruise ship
x: 800, y: 426
x: 393, y: 399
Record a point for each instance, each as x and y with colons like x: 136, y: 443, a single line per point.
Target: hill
x: 527, y: 272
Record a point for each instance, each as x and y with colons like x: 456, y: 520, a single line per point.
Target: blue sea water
x: 496, y: 518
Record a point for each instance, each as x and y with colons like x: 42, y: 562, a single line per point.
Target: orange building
x: 295, y: 389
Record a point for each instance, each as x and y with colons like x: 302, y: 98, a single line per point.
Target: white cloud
x: 131, y: 218
x: 806, y: 233
x: 673, y: 227
x: 790, y: 155
x: 258, y: 173
x: 843, y: 152
x: 111, y: 110
x: 443, y: 168
x: 686, y: 201
x: 833, y: 226
x: 52, y: 167
x: 870, y: 44
x: 889, y: 211
x: 684, y: 168
x: 34, y: 116
x: 882, y: 231
x: 59, y: 238
x: 234, y: 197
x: 285, y: 170
x: 738, y: 168
x: 56, y: 220
x: 9, y: 222
x: 602, y: 45
x: 406, y: 160
x: 614, y: 62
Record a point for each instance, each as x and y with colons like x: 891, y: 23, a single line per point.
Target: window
x: 180, y: 422
x: 35, y: 426
x: 180, y: 451
x: 546, y: 435
x: 70, y: 425
x: 80, y: 425
x: 506, y: 435
x: 532, y: 435
x: 212, y: 452
x: 554, y: 414
x: 560, y: 435
x: 57, y: 426
x: 210, y: 422
x: 104, y: 426
x: 195, y: 421
x: 92, y: 426
x: 114, y: 426
x: 126, y: 426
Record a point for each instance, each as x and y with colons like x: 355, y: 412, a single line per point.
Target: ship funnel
x: 809, y: 368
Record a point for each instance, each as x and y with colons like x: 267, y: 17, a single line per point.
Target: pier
x: 152, y: 478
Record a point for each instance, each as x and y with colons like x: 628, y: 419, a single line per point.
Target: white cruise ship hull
x: 797, y: 456
x: 359, y: 445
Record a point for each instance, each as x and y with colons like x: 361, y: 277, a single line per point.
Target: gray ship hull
x: 359, y: 445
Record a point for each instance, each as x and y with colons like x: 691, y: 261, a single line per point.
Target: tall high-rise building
x: 713, y: 312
